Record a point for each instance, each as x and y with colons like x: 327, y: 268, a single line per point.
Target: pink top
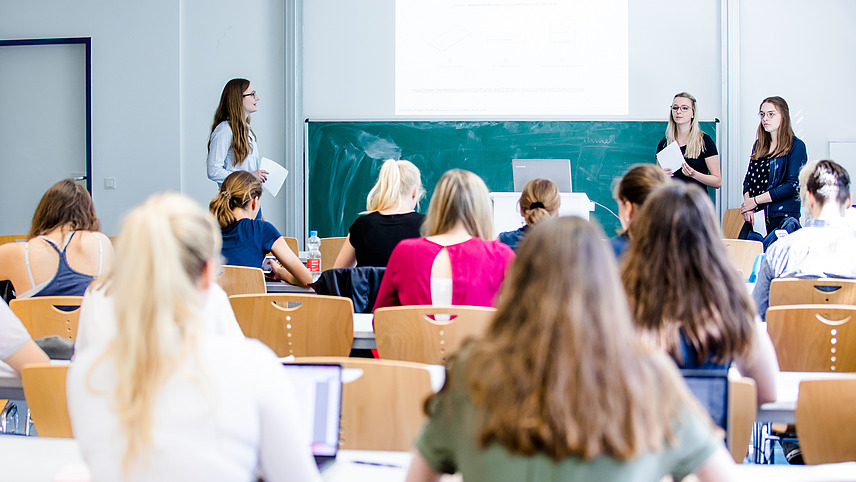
x: 478, y: 268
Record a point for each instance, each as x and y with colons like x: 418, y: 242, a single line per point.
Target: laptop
x: 319, y: 393
x: 556, y: 170
x: 710, y: 387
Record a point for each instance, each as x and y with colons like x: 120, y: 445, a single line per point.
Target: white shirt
x: 13, y: 336
x: 221, y: 160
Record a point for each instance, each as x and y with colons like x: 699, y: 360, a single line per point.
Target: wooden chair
x: 319, y: 326
x: 383, y: 408
x: 826, y: 427
x: 813, y: 291
x: 330, y: 248
x: 814, y: 338
x: 732, y: 223
x: 44, y: 389
x: 742, y: 253
x: 45, y: 316
x: 408, y: 333
x: 241, y: 280
x: 12, y: 238
x: 742, y: 410
x: 292, y: 244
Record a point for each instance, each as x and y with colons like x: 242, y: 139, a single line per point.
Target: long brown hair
x: 543, y: 191
x: 237, y: 191
x: 560, y: 371
x: 64, y: 203
x: 231, y: 109
x: 679, y: 280
x: 459, y: 196
x: 784, y: 136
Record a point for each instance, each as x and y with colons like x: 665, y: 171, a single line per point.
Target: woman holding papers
x: 232, y: 144
x: 685, y: 295
x: 247, y: 239
x: 167, y: 399
x: 701, y: 160
x: 773, y: 176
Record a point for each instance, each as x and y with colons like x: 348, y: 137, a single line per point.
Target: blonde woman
x: 247, y: 239
x: 538, y: 200
x: 701, y: 165
x: 389, y: 217
x: 457, y: 263
x: 166, y: 399
x: 232, y: 143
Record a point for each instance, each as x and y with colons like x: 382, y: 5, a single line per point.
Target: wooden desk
x: 787, y: 392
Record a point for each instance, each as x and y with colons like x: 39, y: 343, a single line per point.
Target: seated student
x: 16, y: 347
x: 824, y: 247
x: 389, y: 217
x: 632, y: 191
x: 65, y: 251
x: 560, y: 387
x: 246, y: 240
x: 538, y: 200
x: 457, y: 263
x: 686, y: 297
x: 166, y: 399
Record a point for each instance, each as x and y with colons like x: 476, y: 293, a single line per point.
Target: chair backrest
x: 383, y: 408
x: 12, y: 238
x: 296, y: 324
x: 409, y: 333
x: 49, y: 315
x: 814, y: 338
x: 292, y: 244
x: 742, y: 410
x: 814, y: 291
x: 826, y: 427
x: 241, y: 280
x: 44, y: 389
x: 330, y: 248
x: 742, y: 253
x: 732, y: 223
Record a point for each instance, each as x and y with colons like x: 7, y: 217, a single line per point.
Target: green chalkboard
x: 344, y: 158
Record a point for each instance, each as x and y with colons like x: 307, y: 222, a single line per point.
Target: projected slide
x: 511, y: 57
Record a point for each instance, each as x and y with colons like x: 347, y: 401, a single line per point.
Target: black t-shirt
x: 374, y: 235
x: 699, y: 163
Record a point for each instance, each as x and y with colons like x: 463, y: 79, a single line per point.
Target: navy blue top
x: 66, y: 281
x: 619, y: 244
x: 246, y: 242
x: 513, y: 238
x: 689, y: 356
x: 783, y: 182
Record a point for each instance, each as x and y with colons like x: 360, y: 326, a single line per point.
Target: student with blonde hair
x: 247, y: 239
x: 167, y: 399
x: 389, y: 217
x: 64, y: 252
x: 632, y: 191
x: 538, y: 200
x: 701, y: 159
x: 457, y: 262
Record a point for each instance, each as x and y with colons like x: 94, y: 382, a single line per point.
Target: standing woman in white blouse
x: 232, y: 144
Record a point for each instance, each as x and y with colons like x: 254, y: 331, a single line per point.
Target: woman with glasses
x: 773, y: 175
x: 232, y: 144
x: 701, y: 160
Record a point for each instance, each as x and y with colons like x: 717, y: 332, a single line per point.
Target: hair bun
x: 536, y: 205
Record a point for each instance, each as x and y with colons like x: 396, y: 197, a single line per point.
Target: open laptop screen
x: 710, y: 387
x: 556, y: 170
x: 319, y: 392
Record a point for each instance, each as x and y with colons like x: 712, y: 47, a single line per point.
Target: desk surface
x: 787, y: 392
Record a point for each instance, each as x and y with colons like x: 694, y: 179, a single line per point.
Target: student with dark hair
x: 631, y: 193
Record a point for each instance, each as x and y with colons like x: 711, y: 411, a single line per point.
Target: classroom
x: 158, y: 68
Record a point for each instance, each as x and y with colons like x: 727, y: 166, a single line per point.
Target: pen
x: 377, y: 464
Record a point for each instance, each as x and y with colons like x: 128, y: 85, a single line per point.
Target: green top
x: 448, y: 443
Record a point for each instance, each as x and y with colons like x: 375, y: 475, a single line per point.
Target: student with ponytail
x: 160, y: 400
x: 247, y: 239
x: 389, y: 217
x: 539, y: 200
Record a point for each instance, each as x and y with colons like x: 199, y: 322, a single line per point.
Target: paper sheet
x: 276, y: 176
x: 670, y: 157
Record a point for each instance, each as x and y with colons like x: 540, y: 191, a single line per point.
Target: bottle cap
x: 313, y: 233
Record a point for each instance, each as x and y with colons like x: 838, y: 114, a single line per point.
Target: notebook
x: 556, y: 170
x: 319, y: 393
x: 710, y: 387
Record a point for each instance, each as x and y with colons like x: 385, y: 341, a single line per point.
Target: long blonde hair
x: 539, y: 200
x: 561, y: 371
x: 158, y: 301
x: 459, y: 196
x: 695, y: 143
x: 396, y: 179
x: 237, y: 191
x: 231, y: 110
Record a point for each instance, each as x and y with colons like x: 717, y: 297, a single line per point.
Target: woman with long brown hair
x: 560, y: 387
x: 685, y: 295
x: 632, y: 191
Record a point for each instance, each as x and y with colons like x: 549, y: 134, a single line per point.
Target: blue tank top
x: 66, y: 281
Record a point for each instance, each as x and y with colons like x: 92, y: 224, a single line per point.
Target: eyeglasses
x: 766, y: 114
x: 253, y: 93
x: 682, y: 108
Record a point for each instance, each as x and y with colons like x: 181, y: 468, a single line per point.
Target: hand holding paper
x: 671, y: 157
x: 276, y: 176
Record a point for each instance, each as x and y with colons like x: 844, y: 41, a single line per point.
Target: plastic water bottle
x: 313, y: 260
